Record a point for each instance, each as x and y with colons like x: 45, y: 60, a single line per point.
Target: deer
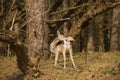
x: 62, y: 44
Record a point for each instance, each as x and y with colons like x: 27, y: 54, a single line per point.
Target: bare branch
x: 14, y: 17
x: 33, y: 18
x: 53, y: 21
x: 69, y: 13
x: 71, y: 8
x: 75, y: 30
x: 11, y: 6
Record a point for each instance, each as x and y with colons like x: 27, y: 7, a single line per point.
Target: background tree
x: 115, y: 33
x: 91, y: 34
x: 107, y: 29
x: 99, y: 35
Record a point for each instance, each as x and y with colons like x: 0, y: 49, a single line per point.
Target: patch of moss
x: 109, y: 71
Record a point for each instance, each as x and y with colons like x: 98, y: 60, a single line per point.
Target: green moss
x: 109, y: 71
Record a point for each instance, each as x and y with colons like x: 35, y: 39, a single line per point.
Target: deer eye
x: 66, y: 40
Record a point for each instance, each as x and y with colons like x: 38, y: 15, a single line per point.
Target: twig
x: 52, y: 21
x: 12, y: 25
x: 33, y: 18
x: 11, y: 7
x: 71, y: 8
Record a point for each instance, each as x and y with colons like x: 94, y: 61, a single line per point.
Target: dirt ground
x: 94, y: 66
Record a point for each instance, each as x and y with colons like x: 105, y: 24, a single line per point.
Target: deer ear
x: 58, y: 32
x: 60, y: 36
x: 71, y: 38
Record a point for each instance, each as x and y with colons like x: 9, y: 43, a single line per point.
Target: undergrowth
x: 94, y: 66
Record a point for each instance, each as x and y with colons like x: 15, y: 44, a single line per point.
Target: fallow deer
x: 62, y: 44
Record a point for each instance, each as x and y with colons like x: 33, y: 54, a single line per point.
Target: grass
x: 97, y: 66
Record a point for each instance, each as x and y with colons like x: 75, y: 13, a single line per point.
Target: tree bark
x: 23, y: 60
x: 65, y: 25
x: 38, y: 29
x: 91, y: 31
x: 99, y: 36
x: 115, y: 34
x: 2, y: 49
x: 107, y: 30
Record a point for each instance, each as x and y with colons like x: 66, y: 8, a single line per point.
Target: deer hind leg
x: 71, y: 57
x: 56, y: 58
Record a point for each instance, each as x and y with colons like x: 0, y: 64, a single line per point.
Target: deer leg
x: 64, y: 56
x: 71, y: 57
x: 56, y: 58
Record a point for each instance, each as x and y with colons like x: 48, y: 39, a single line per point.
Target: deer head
x: 66, y: 40
x: 63, y: 38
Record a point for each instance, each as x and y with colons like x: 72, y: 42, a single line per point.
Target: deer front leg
x: 71, y: 57
x: 64, y: 56
x: 56, y: 58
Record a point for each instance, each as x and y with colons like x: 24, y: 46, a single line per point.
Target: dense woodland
x: 27, y: 28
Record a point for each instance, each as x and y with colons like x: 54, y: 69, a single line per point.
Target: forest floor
x: 94, y: 66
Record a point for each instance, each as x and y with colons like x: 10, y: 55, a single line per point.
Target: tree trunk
x: 23, y: 60
x: 38, y: 28
x: 99, y: 38
x: 115, y: 34
x: 83, y: 40
x: 91, y: 30
x: 107, y: 29
x: 65, y: 25
x: 2, y: 49
x: 10, y: 34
